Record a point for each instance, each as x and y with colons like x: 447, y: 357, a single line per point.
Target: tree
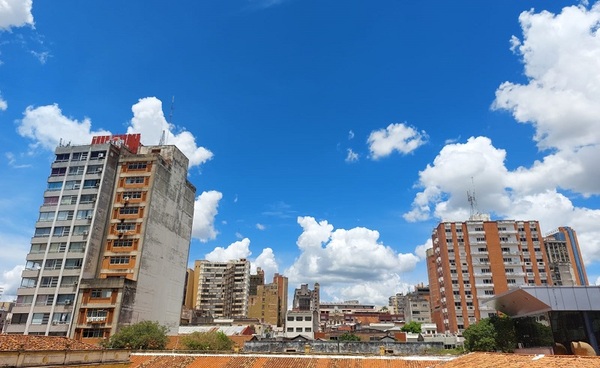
x: 348, y: 336
x: 532, y: 333
x: 210, y: 341
x: 143, y: 335
x: 412, y: 326
x: 481, y: 336
x: 506, y: 338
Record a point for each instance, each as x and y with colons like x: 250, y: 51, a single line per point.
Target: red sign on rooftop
x: 129, y: 141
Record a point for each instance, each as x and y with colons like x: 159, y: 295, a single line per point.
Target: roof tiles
x: 32, y: 342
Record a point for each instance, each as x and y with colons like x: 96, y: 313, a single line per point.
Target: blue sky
x: 327, y: 138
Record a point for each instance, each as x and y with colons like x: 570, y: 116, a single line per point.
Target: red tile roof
x: 496, y: 360
x: 31, y: 342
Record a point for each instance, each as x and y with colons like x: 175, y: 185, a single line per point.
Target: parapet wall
x: 69, y: 358
x: 342, y: 347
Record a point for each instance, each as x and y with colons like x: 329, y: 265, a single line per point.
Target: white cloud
x: 12, y: 161
x: 351, y: 156
x: 15, y: 13
x: 260, y: 227
x: 396, y: 137
x: 3, y: 104
x: 347, y: 259
x: 10, y: 282
x: 149, y: 120
x: 266, y: 261
x: 350, y: 135
x: 205, y: 210
x: 420, y: 250
x: 597, y: 281
x: 237, y: 250
x: 47, y: 126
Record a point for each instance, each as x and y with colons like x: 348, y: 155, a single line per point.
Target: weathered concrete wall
x: 165, y: 241
x: 97, y: 358
x: 341, y: 347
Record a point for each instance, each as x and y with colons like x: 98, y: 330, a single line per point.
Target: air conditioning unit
x: 99, y: 170
x: 126, y: 199
x: 97, y: 184
x: 101, y: 155
x: 85, y: 233
x: 68, y: 302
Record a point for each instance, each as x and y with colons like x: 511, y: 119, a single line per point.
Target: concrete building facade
x: 472, y: 261
x: 111, y: 243
x: 223, y: 288
x: 564, y: 257
x: 269, y: 305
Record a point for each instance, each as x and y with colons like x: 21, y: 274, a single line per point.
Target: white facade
x: 303, y: 323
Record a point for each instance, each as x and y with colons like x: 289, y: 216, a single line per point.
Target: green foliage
x: 143, y: 335
x: 208, y: 341
x: 506, y: 339
x: 481, y: 336
x: 414, y: 327
x: 533, y: 334
x: 347, y: 336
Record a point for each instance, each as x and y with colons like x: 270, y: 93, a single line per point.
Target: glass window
x: 72, y: 184
x: 126, y: 226
x: 46, y: 216
x: 62, y: 157
x: 134, y: 180
x: 80, y: 156
x: 76, y: 170
x: 88, y: 198
x: 28, y: 282
x: 73, y: 263
x: 84, y: 214
x: 137, y: 166
x: 81, y: 230
x: 61, y: 318
x: 68, y: 200
x: 77, y: 247
x: 93, y: 183
x: 132, y: 194
x: 54, y: 185
x: 64, y: 215
x: 65, y: 299
x: 96, y: 332
x: 119, y: 260
x: 53, y: 264
x: 38, y: 248
x: 57, y: 247
x: 61, y: 231
x: 42, y: 232
x: 129, y: 210
x: 122, y: 243
x: 58, y: 171
x: 49, y: 281
x: 40, y: 318
x: 50, y: 201
x: 68, y: 281
x: 94, y: 169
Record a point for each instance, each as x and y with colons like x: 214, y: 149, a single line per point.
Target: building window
x: 81, y: 230
x: 100, y: 293
x: 132, y: 194
x: 129, y: 210
x: 298, y: 329
x: 68, y: 281
x: 50, y: 201
x: 511, y: 281
x: 93, y: 183
x: 76, y: 170
x: 308, y: 329
x: 61, y: 231
x: 69, y: 199
x: 57, y: 247
x: 61, y: 318
x: 97, y: 155
x: 92, y: 333
x: 56, y: 185
x: 58, y: 171
x: 40, y: 318
x: 135, y: 180
x: 289, y: 329
x: 119, y: 260
x: 38, y: 248
x: 137, y: 166
x: 298, y: 318
x: 126, y: 226
x: 85, y: 214
x: 62, y: 157
x: 42, y: 232
x: 73, y: 264
x: 46, y: 216
x: 19, y: 318
x: 64, y: 215
x: 88, y: 198
x: 94, y: 169
x: 122, y: 243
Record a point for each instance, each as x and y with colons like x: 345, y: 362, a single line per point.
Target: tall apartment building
x: 111, y: 242
x: 472, y: 261
x: 223, y: 288
x: 564, y: 257
x: 269, y: 304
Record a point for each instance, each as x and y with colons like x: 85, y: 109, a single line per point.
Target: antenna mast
x: 163, y: 137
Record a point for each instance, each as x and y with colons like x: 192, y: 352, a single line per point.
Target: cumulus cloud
x: 10, y: 282
x: 420, y: 250
x: 266, y: 261
x: 347, y: 259
x: 3, y: 104
x: 236, y: 250
x: 47, y: 126
x: 351, y: 156
x: 148, y: 119
x: 396, y: 137
x: 205, y: 210
x: 15, y: 13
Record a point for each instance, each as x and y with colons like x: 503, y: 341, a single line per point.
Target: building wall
x: 303, y: 323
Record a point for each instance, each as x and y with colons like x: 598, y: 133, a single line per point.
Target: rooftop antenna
x: 163, y: 137
x: 472, y: 200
